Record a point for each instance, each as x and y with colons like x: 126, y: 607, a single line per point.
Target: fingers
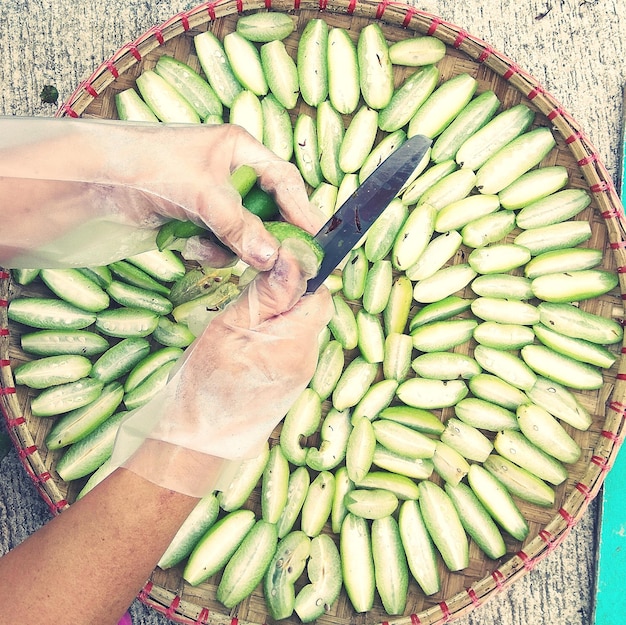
x: 276, y: 291
x: 270, y: 294
x: 207, y: 252
x: 309, y: 316
x: 284, y: 182
x: 279, y: 178
x: 222, y: 211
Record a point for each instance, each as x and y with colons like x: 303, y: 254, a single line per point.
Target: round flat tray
x: 461, y: 592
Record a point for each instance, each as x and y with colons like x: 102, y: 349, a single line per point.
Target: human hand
x: 104, y: 188
x: 194, y: 184
x: 235, y: 383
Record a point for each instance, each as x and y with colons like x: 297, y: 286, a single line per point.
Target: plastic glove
x: 86, y: 192
x: 236, y: 382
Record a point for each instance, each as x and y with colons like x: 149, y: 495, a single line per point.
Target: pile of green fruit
x: 445, y: 397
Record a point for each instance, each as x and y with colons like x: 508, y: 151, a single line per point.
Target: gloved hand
x: 86, y: 192
x: 235, y: 383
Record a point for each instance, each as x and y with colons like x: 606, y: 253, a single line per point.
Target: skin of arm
x: 118, y: 531
x: 87, y: 565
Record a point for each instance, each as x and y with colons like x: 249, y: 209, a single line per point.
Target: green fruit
x: 284, y: 230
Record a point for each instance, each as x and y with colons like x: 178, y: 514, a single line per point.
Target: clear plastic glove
x: 83, y: 192
x: 235, y: 383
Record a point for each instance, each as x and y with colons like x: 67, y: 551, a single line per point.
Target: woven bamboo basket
x: 461, y: 592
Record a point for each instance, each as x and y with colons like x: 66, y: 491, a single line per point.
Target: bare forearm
x: 87, y: 565
x: 76, y: 150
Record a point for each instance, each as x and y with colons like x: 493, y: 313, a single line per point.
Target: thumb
x: 276, y: 291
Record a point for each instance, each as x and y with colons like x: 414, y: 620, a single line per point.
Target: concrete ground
x: 575, y: 48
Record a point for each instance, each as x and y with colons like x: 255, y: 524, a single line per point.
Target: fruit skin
x: 285, y: 568
x: 312, y: 55
x: 263, y: 27
x: 444, y: 525
x: 217, y: 545
x: 248, y: 564
x: 283, y: 230
x: 357, y: 562
x: 324, y: 572
x: 375, y: 69
x: 390, y: 564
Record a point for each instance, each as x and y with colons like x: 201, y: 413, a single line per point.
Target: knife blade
x: 355, y: 216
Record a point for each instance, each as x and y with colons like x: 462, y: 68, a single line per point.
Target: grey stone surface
x: 575, y: 48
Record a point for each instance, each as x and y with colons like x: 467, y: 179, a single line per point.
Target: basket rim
x: 171, y: 604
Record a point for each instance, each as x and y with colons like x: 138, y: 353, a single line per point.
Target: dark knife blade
x: 353, y: 219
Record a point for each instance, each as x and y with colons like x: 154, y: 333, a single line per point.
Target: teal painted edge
x: 610, y: 600
x: 610, y: 597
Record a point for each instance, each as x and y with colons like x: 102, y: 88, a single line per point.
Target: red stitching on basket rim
x: 610, y: 214
x: 498, y: 578
x: 512, y: 70
x: 184, y: 19
x: 485, y: 54
x: 173, y: 606
x: 6, y: 390
x: 381, y: 8
x: 134, y: 50
x: 548, y: 538
x: 111, y: 67
x: 434, y: 24
x: 5, y: 362
x: 617, y: 406
x: 601, y: 187
x: 158, y: 34
x: 4, y: 303
x: 59, y: 505
x: 569, y: 519
x: 590, y: 158
x: 471, y: 593
x: 4, y: 275
x: 415, y: 620
x: 529, y: 563
x: 460, y: 38
x: 611, y: 436
x: 446, y: 611
x: 616, y: 245
x: 600, y: 462
x: 410, y: 12
x: 584, y: 490
x: 575, y: 136
x: 145, y: 591
x: 90, y: 90
x: 23, y: 452
x: 14, y: 423
x: 557, y: 111
x: 203, y: 617
x: 535, y: 91
x: 44, y: 477
x: 4, y: 331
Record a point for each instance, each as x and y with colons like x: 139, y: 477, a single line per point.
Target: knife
x: 352, y: 220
